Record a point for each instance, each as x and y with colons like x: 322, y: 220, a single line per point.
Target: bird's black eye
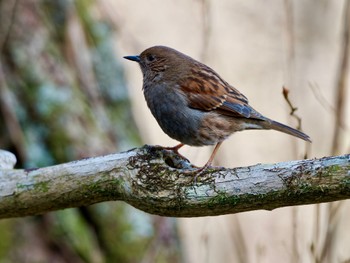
x: 151, y: 58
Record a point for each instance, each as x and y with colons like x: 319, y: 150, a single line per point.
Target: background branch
x: 152, y: 180
x: 342, y: 80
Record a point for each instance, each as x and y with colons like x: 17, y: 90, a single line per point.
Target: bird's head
x: 159, y: 61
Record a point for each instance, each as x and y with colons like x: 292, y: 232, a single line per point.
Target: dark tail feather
x: 286, y: 129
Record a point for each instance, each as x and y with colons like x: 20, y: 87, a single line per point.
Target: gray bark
x: 158, y: 181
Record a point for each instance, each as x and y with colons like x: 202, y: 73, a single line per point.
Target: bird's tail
x: 289, y: 130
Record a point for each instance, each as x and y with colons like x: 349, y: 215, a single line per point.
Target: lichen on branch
x: 160, y: 182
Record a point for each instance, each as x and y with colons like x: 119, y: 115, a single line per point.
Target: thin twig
x: 292, y: 108
x: 321, y: 98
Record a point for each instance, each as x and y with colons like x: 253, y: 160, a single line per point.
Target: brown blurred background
x: 66, y: 93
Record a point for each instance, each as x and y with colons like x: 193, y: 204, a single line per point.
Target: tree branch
x: 152, y: 179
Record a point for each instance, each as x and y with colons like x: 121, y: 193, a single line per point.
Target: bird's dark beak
x: 133, y: 58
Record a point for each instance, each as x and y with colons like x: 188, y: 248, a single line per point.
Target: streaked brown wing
x: 206, y: 90
x: 203, y: 95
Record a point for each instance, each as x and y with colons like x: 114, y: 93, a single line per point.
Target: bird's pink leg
x: 175, y: 148
x: 217, y: 146
x: 200, y: 170
x: 208, y: 164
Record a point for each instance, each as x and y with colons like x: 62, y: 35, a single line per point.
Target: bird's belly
x: 216, y: 128
x: 174, y: 116
x: 180, y: 124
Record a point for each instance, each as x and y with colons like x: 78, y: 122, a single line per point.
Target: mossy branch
x: 152, y: 180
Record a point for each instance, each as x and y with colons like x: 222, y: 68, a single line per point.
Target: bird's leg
x: 200, y: 170
x: 217, y: 146
x: 208, y: 164
x: 175, y: 148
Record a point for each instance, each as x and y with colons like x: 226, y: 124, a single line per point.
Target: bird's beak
x: 133, y: 58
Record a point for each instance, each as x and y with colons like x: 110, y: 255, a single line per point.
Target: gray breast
x: 172, y: 113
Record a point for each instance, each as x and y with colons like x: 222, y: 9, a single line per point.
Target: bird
x: 194, y: 105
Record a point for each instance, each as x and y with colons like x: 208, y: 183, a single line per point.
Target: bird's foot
x: 200, y: 171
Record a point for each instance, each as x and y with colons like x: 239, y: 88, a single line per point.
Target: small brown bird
x: 193, y: 104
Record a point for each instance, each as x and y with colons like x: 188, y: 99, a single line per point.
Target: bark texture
x: 158, y: 181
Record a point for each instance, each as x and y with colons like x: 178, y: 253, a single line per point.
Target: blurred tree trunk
x: 63, y: 97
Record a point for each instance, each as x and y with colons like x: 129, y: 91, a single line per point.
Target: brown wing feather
x: 206, y: 90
